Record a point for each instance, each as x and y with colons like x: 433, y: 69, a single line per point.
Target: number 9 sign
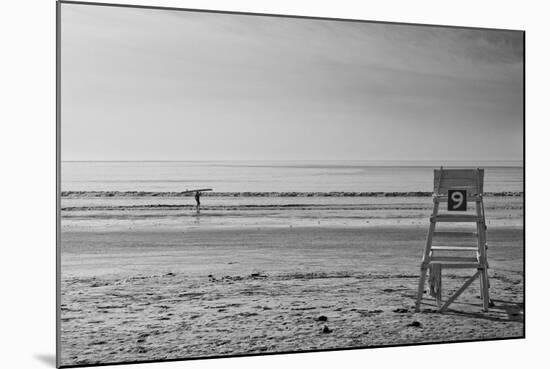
x: 457, y: 200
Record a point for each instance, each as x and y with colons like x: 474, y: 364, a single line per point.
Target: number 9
x: 458, y: 199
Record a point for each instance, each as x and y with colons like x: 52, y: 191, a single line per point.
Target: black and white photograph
x: 234, y: 184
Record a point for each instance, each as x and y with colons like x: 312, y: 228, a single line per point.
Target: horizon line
x: 183, y: 160
x: 516, y: 162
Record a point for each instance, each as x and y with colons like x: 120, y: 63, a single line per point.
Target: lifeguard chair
x: 456, y: 249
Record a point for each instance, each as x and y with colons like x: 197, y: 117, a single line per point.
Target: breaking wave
x: 80, y: 194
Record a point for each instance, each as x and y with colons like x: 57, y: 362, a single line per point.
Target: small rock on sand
x: 429, y: 311
x: 415, y: 324
x: 322, y: 318
x: 401, y: 310
x: 257, y: 275
x: 326, y: 329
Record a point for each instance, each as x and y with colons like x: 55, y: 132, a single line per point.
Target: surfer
x: 198, y: 192
x: 198, y: 200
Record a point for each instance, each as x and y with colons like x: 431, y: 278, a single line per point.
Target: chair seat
x: 456, y: 218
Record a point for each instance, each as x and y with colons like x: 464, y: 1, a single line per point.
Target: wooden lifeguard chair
x: 456, y: 249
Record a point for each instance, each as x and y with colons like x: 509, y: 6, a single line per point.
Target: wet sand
x: 150, y: 293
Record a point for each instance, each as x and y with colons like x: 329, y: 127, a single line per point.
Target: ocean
x: 274, y: 176
x: 126, y: 195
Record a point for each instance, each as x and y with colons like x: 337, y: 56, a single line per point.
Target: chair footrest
x: 453, y: 248
x: 475, y: 265
x: 455, y: 259
x: 454, y: 234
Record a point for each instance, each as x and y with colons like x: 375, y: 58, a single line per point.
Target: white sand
x: 156, y: 292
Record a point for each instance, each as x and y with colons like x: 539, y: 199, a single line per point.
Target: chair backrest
x: 470, y: 180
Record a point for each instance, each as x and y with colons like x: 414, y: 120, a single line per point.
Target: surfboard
x: 198, y: 190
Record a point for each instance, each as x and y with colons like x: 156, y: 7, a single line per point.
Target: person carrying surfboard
x: 198, y: 200
x: 198, y: 192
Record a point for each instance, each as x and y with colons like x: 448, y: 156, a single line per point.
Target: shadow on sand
x: 507, y: 311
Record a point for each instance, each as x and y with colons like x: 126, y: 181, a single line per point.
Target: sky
x: 148, y: 84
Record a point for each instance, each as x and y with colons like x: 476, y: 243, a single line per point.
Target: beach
x: 234, y: 185
x: 146, y: 278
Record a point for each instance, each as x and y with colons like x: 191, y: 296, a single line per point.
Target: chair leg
x: 484, y: 289
x: 458, y: 292
x: 421, y: 284
x: 488, y: 292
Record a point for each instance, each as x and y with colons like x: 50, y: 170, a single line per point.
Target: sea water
x: 275, y: 176
x: 132, y: 195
